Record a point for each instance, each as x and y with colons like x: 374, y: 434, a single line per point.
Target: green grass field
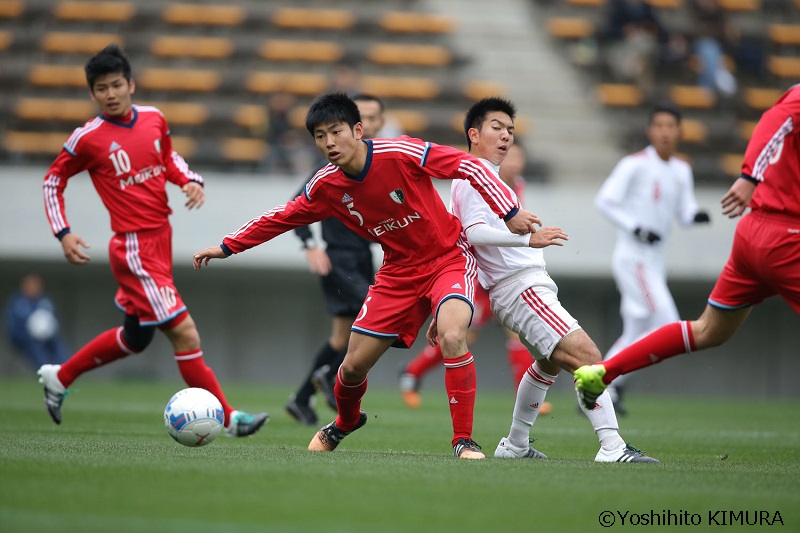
x: 112, y: 467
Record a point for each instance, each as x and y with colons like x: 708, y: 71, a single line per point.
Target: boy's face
x: 112, y: 92
x: 338, y: 143
x: 371, y: 117
x: 664, y: 132
x: 493, y: 139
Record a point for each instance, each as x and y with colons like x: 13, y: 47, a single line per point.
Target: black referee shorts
x: 347, y: 284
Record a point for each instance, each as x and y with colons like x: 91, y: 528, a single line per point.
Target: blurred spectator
x: 289, y: 150
x: 638, y: 42
x: 712, y: 37
x: 32, y: 324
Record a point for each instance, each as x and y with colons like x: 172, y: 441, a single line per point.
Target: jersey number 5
x: 355, y: 213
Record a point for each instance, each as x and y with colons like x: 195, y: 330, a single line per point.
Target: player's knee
x: 136, y: 336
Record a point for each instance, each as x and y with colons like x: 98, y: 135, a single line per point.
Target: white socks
x: 530, y: 397
x: 604, y: 422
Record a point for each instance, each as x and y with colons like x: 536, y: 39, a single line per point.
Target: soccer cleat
x: 626, y: 454
x: 242, y: 424
x: 320, y: 380
x: 330, y: 436
x: 409, y: 390
x: 302, y: 413
x: 467, y: 449
x: 589, y: 384
x: 54, y: 391
x: 506, y: 450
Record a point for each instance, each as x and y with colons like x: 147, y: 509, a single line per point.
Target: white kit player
x: 524, y: 298
x: 642, y: 197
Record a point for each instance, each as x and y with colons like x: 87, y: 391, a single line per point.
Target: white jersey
x: 645, y: 191
x: 494, y: 262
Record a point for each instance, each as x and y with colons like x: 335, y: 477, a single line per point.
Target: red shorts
x: 142, y: 265
x: 764, y: 262
x: 402, y: 298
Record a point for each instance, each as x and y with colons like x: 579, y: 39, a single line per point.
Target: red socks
x: 665, y: 342
x: 348, y: 401
x: 196, y: 374
x: 460, y: 382
x: 519, y: 360
x: 429, y: 358
x: 103, y: 349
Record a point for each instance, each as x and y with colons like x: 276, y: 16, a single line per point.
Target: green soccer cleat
x: 243, y: 424
x: 589, y: 384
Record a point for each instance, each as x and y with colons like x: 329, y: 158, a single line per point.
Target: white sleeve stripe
x: 183, y: 166
x: 57, y: 222
x: 324, y: 171
x: 78, y: 134
x: 267, y: 214
x: 776, y: 142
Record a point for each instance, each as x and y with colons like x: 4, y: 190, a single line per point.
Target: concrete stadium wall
x: 261, y: 314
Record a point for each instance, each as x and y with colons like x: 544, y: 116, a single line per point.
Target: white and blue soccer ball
x: 194, y: 417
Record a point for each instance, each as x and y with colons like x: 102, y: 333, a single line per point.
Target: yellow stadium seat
x: 57, y: 76
x: 78, y: 43
x: 185, y: 146
x: 784, y: 67
x: 588, y: 3
x: 570, y: 27
x: 199, y: 47
x: 6, y: 38
x: 429, y: 55
x: 692, y: 97
x: 296, y: 50
x: 409, y: 120
x: 10, y: 9
x: 183, y: 113
x: 204, y: 14
x: 785, y: 34
x: 619, y: 95
x: 761, y: 99
x: 311, y: 18
x: 244, y: 149
x: 666, y: 4
x: 306, y: 83
x: 26, y: 142
x: 740, y: 5
x: 95, y: 11
x: 411, y: 22
x: 70, y: 109
x: 731, y: 164
x: 693, y: 131
x: 477, y: 89
x: 401, y: 87
x: 250, y: 116
x: 746, y: 128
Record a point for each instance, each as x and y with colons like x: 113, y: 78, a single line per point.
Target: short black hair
x: 332, y: 107
x: 366, y: 97
x: 476, y: 114
x: 109, y: 60
x: 665, y: 108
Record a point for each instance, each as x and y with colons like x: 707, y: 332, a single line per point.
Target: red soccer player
x: 519, y: 359
x: 763, y: 261
x: 381, y: 189
x: 128, y: 154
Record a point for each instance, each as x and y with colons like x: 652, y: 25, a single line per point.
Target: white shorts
x: 527, y: 303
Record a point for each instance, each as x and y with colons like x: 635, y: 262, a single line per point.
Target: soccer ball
x: 194, y: 417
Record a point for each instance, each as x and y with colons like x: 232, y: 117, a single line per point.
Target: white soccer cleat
x: 624, y: 454
x: 54, y: 391
x: 506, y: 450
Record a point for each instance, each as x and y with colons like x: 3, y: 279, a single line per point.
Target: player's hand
x: 195, y: 193
x: 646, y: 236
x: 432, y: 334
x: 523, y: 222
x: 71, y: 244
x: 204, y: 256
x: 702, y: 217
x: 318, y: 261
x: 548, y: 236
x: 737, y: 198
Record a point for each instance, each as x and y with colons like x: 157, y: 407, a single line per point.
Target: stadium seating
x: 299, y: 83
x: 430, y: 55
x: 199, y: 47
x: 57, y: 76
x: 6, y: 38
x: 102, y: 11
x: 410, y: 22
x: 57, y: 42
x: 10, y: 9
x: 312, y: 51
x: 311, y: 18
x: 204, y: 15
x: 171, y: 79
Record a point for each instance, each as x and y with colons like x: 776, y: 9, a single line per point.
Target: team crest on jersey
x: 114, y: 147
x: 398, y: 196
x: 157, y: 144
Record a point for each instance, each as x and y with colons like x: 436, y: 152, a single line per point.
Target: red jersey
x: 129, y: 164
x: 773, y: 157
x: 393, y: 201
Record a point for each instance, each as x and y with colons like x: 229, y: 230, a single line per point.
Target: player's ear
x: 473, y: 135
x: 358, y: 131
x: 132, y: 83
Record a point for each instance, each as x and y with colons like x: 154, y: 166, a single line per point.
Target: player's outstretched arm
x: 71, y: 244
x: 523, y: 222
x: 195, y: 195
x: 204, y: 256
